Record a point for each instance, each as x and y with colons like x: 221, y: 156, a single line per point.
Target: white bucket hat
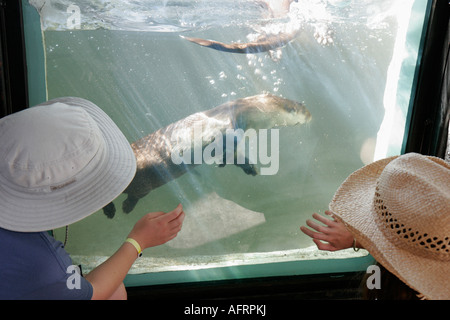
x: 399, y: 209
x: 60, y: 161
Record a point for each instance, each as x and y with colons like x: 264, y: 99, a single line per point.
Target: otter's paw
x: 109, y: 210
x: 129, y: 204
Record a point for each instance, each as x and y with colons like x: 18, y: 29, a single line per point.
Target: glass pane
x: 351, y: 63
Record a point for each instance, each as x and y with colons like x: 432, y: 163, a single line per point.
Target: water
x: 128, y: 58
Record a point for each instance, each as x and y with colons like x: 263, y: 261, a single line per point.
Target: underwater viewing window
x: 323, y: 87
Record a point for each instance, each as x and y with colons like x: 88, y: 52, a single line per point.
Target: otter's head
x: 267, y: 111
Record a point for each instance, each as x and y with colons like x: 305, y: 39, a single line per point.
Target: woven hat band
x: 412, y: 202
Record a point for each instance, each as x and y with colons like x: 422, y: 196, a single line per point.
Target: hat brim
x: 353, y: 204
x: 28, y: 213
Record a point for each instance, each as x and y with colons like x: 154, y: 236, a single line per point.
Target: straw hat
x: 60, y: 161
x: 399, y: 209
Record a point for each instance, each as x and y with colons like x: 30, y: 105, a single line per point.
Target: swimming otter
x: 262, y: 44
x: 154, y: 152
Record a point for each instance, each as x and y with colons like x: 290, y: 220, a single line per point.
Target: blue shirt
x: 33, y: 265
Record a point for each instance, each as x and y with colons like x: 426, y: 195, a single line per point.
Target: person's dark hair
x: 392, y: 288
